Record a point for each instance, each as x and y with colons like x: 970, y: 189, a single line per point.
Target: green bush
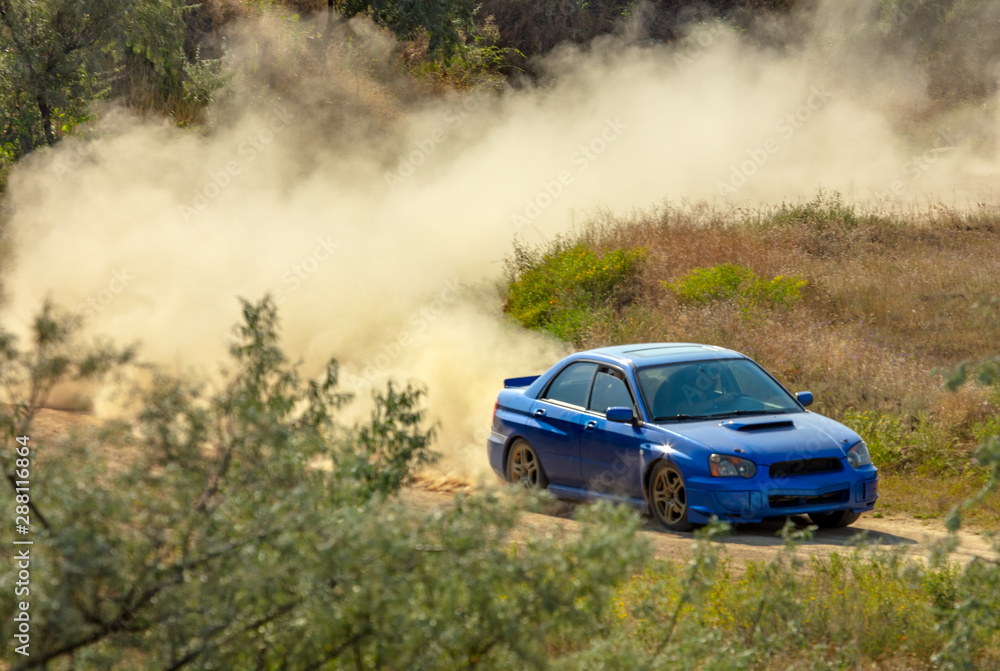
x: 854, y: 609
x: 886, y: 436
x: 570, y: 288
x: 899, y: 443
x: 730, y: 281
x: 251, y: 527
x: 985, y: 430
x: 823, y: 211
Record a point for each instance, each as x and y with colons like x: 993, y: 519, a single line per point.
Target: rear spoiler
x: 519, y: 381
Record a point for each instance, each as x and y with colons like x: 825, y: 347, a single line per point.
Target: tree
x: 58, y: 55
x: 445, y: 22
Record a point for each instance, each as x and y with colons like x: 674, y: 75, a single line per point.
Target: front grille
x: 784, y: 469
x: 785, y: 501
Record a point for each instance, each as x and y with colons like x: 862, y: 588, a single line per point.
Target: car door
x: 559, y: 412
x: 609, y: 451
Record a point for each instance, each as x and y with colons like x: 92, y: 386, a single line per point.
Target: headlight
x: 859, y: 455
x: 725, y: 466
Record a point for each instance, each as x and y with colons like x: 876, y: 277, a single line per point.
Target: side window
x: 609, y: 391
x: 572, y: 385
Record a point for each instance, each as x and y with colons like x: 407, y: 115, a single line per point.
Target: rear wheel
x: 668, y: 497
x: 834, y: 520
x: 524, y: 467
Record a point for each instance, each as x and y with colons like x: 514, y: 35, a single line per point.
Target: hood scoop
x: 759, y: 426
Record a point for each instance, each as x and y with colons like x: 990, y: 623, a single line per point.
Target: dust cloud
x: 378, y: 213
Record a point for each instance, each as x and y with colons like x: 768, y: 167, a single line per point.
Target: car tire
x: 834, y: 520
x: 524, y: 466
x: 668, y: 497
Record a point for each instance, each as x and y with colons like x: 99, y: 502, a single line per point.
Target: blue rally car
x: 687, y: 432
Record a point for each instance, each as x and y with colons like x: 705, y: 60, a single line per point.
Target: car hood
x: 768, y: 438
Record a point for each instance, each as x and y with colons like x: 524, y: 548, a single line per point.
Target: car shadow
x: 768, y: 534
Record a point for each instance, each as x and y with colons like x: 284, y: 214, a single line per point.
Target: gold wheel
x: 524, y: 467
x: 668, y: 497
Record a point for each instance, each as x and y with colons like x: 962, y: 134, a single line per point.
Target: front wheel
x: 668, y: 497
x: 524, y: 467
x: 834, y: 520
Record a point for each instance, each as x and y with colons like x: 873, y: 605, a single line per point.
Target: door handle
x: 540, y: 412
x: 590, y: 425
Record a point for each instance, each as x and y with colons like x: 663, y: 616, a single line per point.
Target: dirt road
x: 747, y: 542
x: 757, y: 541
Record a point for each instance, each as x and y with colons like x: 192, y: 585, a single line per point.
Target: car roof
x: 652, y: 354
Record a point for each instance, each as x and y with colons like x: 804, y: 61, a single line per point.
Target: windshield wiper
x: 680, y: 417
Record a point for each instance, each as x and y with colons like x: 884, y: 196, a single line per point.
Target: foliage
x: 569, y: 288
x: 203, y: 77
x: 536, y: 26
x: 58, y: 55
x: 823, y: 211
x: 251, y: 527
x: 730, y: 281
x: 839, y: 610
x: 899, y: 443
x: 886, y: 436
x: 983, y: 431
x: 870, y: 606
x: 445, y: 22
x: 28, y: 377
x: 478, y: 63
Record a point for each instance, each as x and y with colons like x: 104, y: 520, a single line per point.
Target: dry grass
x: 891, y: 298
x: 934, y: 496
x: 894, y: 300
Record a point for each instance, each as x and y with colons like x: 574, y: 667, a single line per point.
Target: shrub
x: 823, y: 211
x: 983, y: 431
x: 730, y: 281
x: 886, y: 436
x: 252, y: 527
x: 897, y: 442
x: 833, y: 612
x: 570, y: 288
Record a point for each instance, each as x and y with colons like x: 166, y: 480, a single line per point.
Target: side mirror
x: 620, y: 414
x: 805, y: 397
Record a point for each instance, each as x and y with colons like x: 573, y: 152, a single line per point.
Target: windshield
x: 707, y: 389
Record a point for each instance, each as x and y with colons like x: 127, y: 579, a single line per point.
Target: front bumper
x: 741, y: 501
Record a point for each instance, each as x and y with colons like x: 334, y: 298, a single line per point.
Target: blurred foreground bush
x: 252, y: 528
